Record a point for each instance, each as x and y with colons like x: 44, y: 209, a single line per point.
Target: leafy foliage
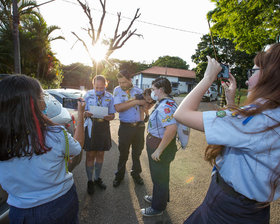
x: 250, y: 24
x: 76, y: 75
x: 37, y: 59
x: 239, y: 61
x: 171, y: 62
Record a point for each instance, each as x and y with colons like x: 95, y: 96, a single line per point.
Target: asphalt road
x: 189, y: 181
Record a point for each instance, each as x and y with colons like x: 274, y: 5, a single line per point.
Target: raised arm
x: 187, y: 113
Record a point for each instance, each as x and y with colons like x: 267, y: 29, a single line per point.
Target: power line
x: 141, y: 21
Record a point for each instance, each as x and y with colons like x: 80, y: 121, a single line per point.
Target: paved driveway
x: 190, y: 178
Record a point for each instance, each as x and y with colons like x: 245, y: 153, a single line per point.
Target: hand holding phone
x: 224, y: 74
x: 70, y: 103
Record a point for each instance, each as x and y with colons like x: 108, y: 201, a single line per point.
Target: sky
x: 186, y: 20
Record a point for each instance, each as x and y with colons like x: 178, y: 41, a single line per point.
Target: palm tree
x: 19, y: 9
x: 37, y: 37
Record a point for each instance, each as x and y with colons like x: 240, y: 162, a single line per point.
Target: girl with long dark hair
x: 32, y: 156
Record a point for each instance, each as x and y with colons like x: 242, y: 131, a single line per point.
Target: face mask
x: 45, y: 110
x: 153, y: 96
x: 99, y: 93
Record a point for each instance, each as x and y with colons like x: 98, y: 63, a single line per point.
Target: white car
x: 211, y: 94
x: 59, y: 94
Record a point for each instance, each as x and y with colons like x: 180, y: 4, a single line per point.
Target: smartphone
x: 224, y: 74
x: 70, y: 103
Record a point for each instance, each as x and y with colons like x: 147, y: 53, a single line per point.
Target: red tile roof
x: 156, y: 70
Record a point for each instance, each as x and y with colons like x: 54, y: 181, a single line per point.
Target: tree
x: 36, y: 32
x: 250, y: 24
x: 11, y: 21
x: 171, y: 62
x: 113, y: 43
x: 37, y: 59
x: 239, y: 61
x: 76, y: 75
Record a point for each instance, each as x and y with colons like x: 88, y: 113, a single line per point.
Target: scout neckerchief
x: 128, y: 92
x: 99, y: 99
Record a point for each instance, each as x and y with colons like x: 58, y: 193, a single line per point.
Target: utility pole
x: 17, y: 66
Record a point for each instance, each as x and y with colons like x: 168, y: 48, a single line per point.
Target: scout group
x: 243, y: 145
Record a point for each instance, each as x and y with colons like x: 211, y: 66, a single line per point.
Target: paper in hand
x: 98, y: 112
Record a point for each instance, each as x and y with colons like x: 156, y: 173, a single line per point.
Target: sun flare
x: 99, y: 52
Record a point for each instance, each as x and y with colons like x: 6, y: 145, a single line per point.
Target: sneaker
x: 116, y: 182
x: 148, y: 198
x: 149, y: 212
x: 90, y: 187
x: 138, y: 180
x: 99, y: 183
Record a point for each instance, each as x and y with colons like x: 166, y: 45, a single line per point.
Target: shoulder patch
x: 167, y: 119
x: 167, y: 110
x: 170, y: 103
x: 221, y: 113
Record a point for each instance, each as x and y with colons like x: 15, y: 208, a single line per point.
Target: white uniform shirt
x: 248, y: 159
x: 35, y: 181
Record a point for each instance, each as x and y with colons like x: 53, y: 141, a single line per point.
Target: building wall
x: 143, y: 82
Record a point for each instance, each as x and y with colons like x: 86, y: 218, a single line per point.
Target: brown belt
x: 133, y: 124
x: 98, y: 119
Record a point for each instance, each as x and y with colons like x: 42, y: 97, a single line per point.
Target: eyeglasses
x: 251, y: 72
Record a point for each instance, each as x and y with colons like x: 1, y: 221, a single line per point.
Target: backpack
x: 182, y: 137
x: 183, y: 133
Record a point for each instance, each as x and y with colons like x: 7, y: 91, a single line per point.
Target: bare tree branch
x: 119, y: 40
x: 79, y: 39
x: 88, y: 14
x: 101, y: 20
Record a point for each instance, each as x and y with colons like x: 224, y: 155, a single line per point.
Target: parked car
x: 59, y: 94
x: 58, y: 115
x: 211, y: 94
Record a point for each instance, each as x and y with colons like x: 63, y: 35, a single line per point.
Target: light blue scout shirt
x: 248, y: 159
x: 161, y: 117
x: 107, y: 100
x: 34, y: 181
x: 132, y: 114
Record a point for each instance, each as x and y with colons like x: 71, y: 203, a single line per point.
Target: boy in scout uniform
x: 131, y: 129
x: 97, y: 131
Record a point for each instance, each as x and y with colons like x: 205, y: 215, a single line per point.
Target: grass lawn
x: 243, y: 96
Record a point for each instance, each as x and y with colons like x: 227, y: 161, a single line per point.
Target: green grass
x: 243, y: 94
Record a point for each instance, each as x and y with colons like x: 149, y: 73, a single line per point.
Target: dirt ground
x: 189, y: 181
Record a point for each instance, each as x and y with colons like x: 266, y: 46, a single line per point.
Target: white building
x: 182, y: 79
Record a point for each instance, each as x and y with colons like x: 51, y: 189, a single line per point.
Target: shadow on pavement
x: 115, y: 205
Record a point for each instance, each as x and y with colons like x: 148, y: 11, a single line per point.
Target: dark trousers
x: 130, y: 136
x: 160, y: 175
x: 220, y: 207
x: 63, y: 210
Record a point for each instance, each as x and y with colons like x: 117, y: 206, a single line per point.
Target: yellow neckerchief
x: 128, y: 92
